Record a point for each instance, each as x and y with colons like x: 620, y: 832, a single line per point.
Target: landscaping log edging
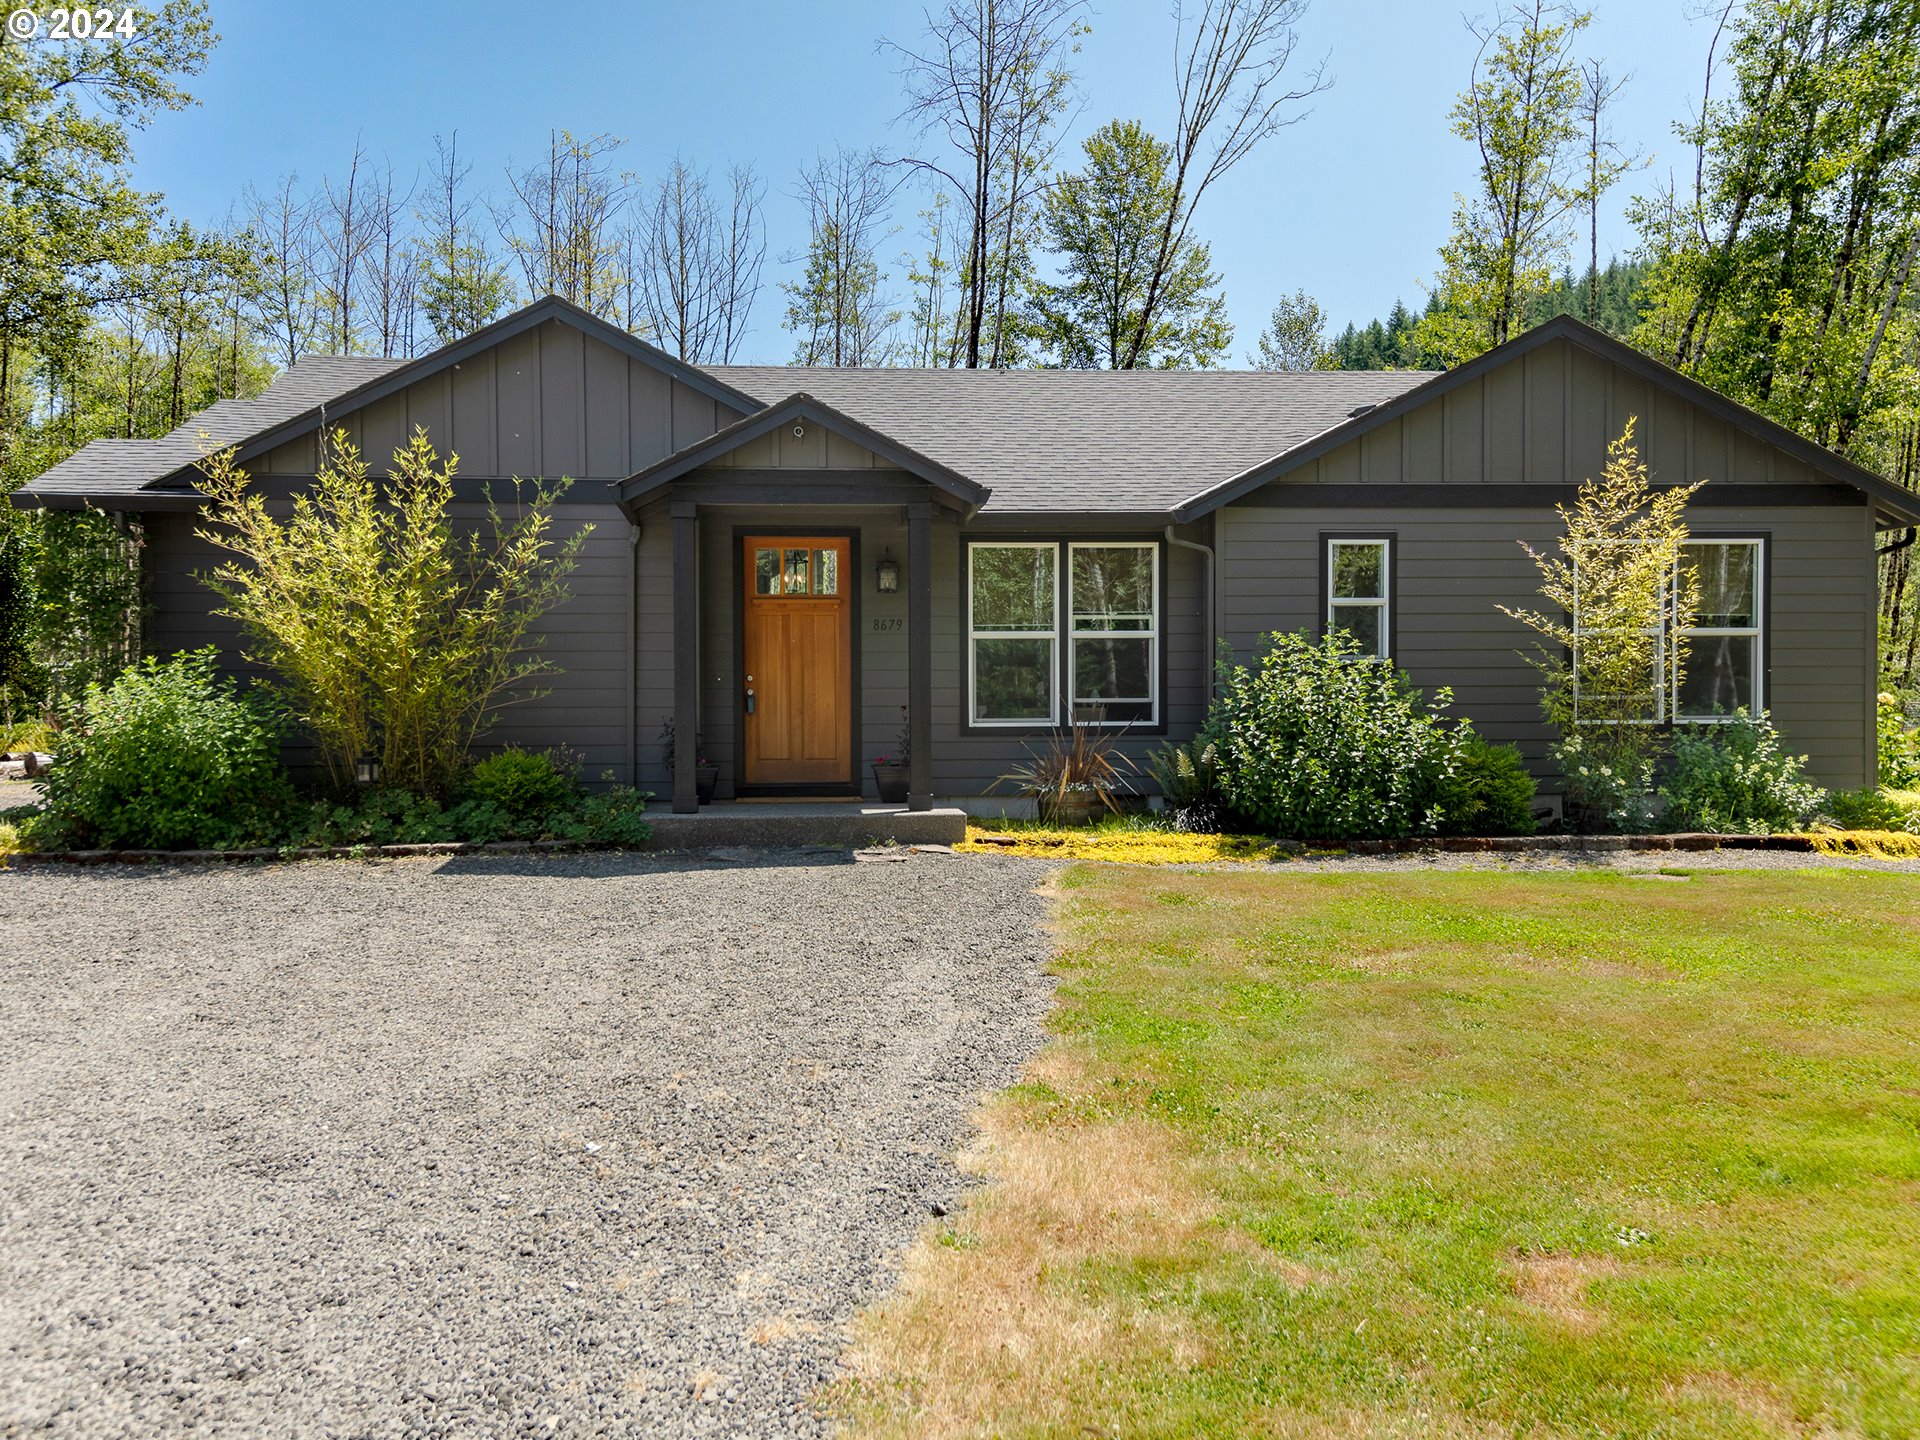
x: 1685, y: 840
x: 1492, y: 844
x: 308, y: 852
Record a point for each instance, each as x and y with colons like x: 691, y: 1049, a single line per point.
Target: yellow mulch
x: 1121, y: 847
x: 1875, y: 844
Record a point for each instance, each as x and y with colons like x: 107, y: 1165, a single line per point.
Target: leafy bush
x: 1734, y: 777
x: 1606, y: 787
x: 615, y: 816
x: 1318, y: 742
x: 166, y: 757
x: 1490, y: 791
x: 1899, y: 744
x: 1618, y: 601
x: 392, y: 633
x: 1874, y: 810
x: 528, y: 787
x: 1189, y: 780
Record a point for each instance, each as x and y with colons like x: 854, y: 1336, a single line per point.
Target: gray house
x: 797, y: 562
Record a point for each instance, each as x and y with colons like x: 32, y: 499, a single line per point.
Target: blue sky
x: 1350, y: 203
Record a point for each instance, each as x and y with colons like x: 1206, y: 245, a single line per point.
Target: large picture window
x: 1013, y: 629
x: 1724, y: 662
x: 1058, y: 629
x: 1357, y: 598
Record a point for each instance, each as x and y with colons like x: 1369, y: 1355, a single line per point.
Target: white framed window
x: 1013, y: 629
x: 1725, y: 666
x: 1359, y: 581
x: 1645, y: 702
x: 1113, y: 590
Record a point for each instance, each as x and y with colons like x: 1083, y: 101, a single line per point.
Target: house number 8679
x: 895, y: 623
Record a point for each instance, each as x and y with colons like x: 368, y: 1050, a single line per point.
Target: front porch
x: 785, y: 683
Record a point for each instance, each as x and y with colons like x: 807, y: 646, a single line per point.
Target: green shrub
x: 1607, y: 787
x: 1318, y: 742
x: 1735, y: 778
x: 166, y: 757
x: 527, y: 786
x: 393, y: 630
x: 1873, y: 810
x: 1189, y: 779
x: 400, y: 817
x: 1490, y: 791
x: 1899, y: 744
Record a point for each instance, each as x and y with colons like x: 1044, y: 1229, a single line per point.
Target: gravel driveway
x: 481, y: 1146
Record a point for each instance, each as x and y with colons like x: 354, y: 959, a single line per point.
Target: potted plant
x: 890, y: 771
x: 1078, y: 772
x: 706, y: 774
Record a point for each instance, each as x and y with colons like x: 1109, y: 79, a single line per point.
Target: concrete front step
x: 803, y: 823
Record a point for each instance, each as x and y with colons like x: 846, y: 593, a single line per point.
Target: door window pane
x: 1013, y: 679
x: 826, y: 572
x: 794, y: 581
x: 1719, y: 675
x: 766, y: 572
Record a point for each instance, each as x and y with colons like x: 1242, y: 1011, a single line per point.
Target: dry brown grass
x: 963, y: 1342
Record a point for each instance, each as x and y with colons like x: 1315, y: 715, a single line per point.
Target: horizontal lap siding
x: 1454, y: 567
x: 970, y: 765
x: 585, y: 707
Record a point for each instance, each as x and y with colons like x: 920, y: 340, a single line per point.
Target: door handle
x: 752, y: 701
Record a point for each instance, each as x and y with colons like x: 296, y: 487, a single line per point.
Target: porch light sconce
x: 366, y: 770
x: 886, y: 575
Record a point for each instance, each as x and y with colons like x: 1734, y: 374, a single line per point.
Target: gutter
x: 633, y: 653
x: 1213, y: 636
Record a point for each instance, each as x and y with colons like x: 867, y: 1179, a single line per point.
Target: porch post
x: 686, y: 657
x: 920, y: 656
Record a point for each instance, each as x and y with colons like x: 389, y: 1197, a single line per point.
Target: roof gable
x: 399, y: 377
x: 1508, y: 366
x: 801, y: 409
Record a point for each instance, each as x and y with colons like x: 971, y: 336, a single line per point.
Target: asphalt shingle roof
x: 105, y: 468
x: 1087, y: 440
x: 1041, y: 440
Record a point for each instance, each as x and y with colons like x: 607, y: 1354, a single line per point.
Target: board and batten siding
x: 549, y: 402
x: 1547, y: 421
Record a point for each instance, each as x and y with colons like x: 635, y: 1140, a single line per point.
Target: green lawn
x: 1448, y: 1154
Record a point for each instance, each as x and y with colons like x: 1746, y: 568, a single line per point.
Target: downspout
x: 1213, y: 638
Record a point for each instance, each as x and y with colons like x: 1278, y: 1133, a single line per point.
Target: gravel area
x: 481, y: 1146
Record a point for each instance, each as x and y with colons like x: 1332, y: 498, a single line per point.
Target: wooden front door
x: 797, y: 656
